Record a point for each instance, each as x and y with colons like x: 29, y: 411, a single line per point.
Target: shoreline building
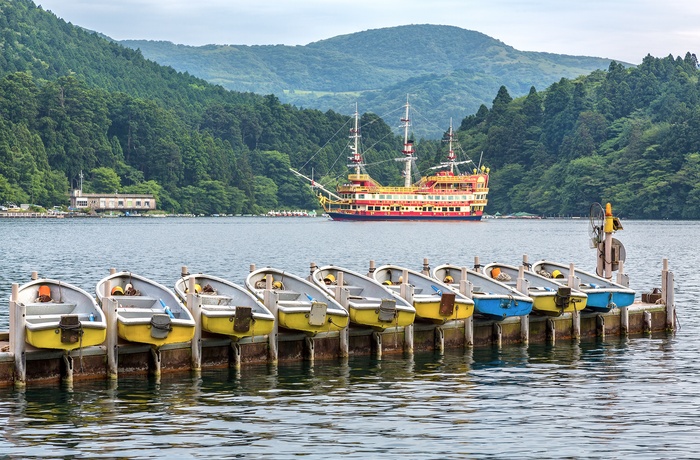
x: 125, y: 202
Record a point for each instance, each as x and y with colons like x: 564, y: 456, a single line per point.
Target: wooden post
x: 574, y: 282
x: 377, y: 340
x: 371, y: 269
x: 600, y: 326
x: 440, y: 339
x: 194, y: 304
x: 252, y: 268
x: 477, y: 265
x: 312, y: 269
x: 667, y: 286
x: 270, y: 301
x: 341, y: 296
x: 35, y: 276
x: 624, y: 321
x: 551, y: 331
x: 646, y: 322
x: 407, y: 293
x: 426, y: 267
x: 465, y: 288
x: 497, y: 334
x: 526, y: 262
x: 18, y: 318
x: 523, y: 286
x: 109, y: 307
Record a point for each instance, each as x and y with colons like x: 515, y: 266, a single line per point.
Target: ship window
x: 452, y: 208
x: 381, y: 197
x: 361, y: 196
x: 444, y: 209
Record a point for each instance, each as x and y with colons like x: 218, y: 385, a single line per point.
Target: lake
x: 610, y: 398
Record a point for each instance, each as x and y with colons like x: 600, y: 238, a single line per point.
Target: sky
x: 625, y: 30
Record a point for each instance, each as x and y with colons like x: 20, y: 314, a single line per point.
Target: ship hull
x: 390, y: 217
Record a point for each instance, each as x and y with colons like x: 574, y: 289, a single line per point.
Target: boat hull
x: 430, y: 310
x: 225, y: 325
x: 500, y: 308
x: 376, y: 217
x: 141, y: 333
x: 604, y: 301
x: 547, y: 305
x: 370, y: 317
x: 299, y: 321
x: 49, y: 338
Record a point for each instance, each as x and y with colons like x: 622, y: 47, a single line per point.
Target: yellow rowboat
x: 227, y: 308
x: 433, y: 300
x: 369, y: 303
x: 147, y: 312
x: 549, y: 297
x: 301, y: 305
x: 61, y: 316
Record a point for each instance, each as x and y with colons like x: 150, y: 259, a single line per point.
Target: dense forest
x: 72, y: 101
x: 448, y: 71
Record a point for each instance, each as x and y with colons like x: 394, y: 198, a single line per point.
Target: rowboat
x: 147, y: 312
x: 549, y: 297
x: 301, y: 306
x: 227, y: 308
x: 603, y: 294
x: 433, y: 300
x: 61, y: 316
x: 369, y: 303
x: 491, y: 298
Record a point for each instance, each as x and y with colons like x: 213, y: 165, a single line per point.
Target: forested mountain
x: 73, y: 101
x: 447, y: 70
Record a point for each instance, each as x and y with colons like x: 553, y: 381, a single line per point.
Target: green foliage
x: 629, y: 136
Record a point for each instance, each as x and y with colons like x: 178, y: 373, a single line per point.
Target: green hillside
x: 452, y: 71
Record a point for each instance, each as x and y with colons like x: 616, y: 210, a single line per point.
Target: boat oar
x: 166, y: 309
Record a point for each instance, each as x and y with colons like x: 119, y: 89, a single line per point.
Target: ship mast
x: 356, y: 157
x: 450, y: 152
x: 407, y: 147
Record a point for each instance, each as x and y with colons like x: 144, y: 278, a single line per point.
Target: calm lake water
x: 616, y: 398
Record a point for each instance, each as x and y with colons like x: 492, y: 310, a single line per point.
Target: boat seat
x: 137, y: 302
x: 287, y: 295
x: 295, y: 303
x: 53, y: 308
x: 354, y: 290
x: 214, y: 299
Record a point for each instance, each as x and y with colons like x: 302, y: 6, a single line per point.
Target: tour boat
x: 433, y: 300
x: 491, y: 298
x: 369, y: 303
x: 227, y: 308
x: 603, y: 294
x: 147, y: 312
x: 445, y: 195
x: 301, y: 305
x: 549, y: 297
x: 61, y: 316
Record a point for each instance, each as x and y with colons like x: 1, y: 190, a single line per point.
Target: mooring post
x: 312, y: 269
x: 67, y: 376
x: 270, y: 298
x: 252, y: 268
x: 18, y: 319
x: 342, y: 297
x: 407, y: 293
x: 372, y: 268
x: 574, y: 282
x: 624, y: 321
x: 426, y: 267
x: 477, y: 265
x: 109, y: 307
x: 156, y: 369
x: 439, y: 339
x: 465, y: 288
x: 194, y: 304
x: 522, y: 285
x: 35, y: 276
x: 309, y: 345
x: 526, y: 262
x: 112, y: 270
x: 377, y: 340
x: 667, y: 286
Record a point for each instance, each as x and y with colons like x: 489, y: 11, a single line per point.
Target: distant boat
x: 433, y: 300
x: 147, y: 312
x: 549, y: 297
x: 443, y: 195
x: 369, y: 303
x: 61, y: 316
x: 227, y: 308
x: 491, y: 298
x: 301, y: 306
x: 603, y: 294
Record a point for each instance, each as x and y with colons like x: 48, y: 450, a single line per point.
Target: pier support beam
x: 157, y: 362
x: 18, y: 319
x: 600, y: 326
x: 235, y: 355
x: 407, y: 293
x: 646, y: 322
x: 377, y: 342
x: 576, y: 324
x: 525, y: 329
x: 68, y: 366
x: 309, y: 345
x: 270, y: 300
x: 551, y: 331
x: 465, y: 288
x: 497, y: 335
x: 624, y: 321
x: 440, y: 339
